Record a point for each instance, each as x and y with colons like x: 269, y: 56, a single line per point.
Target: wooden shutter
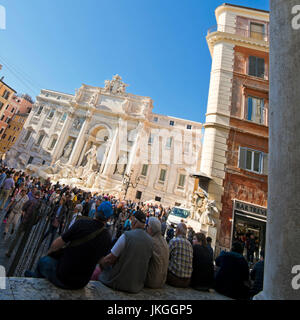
x: 265, y: 164
x: 250, y: 107
x: 260, y: 67
x: 252, y: 66
x: 242, y: 158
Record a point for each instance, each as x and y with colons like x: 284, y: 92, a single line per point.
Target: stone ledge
x: 41, y: 289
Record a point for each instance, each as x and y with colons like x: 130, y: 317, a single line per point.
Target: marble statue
x: 207, y: 216
x: 93, y: 99
x: 121, y: 164
x: 77, y: 124
x: 78, y: 95
x: 115, y: 85
x: 90, y: 180
x: 91, y: 158
x: 67, y: 150
x: 107, y: 85
x: 97, y: 181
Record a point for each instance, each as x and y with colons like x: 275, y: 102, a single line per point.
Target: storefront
x: 249, y: 219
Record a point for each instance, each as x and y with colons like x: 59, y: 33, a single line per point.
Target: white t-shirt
x: 119, y: 246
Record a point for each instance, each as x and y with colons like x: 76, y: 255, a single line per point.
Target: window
x: 256, y: 67
x: 253, y: 160
x: 186, y: 147
x: 64, y: 117
x: 28, y: 134
x: 2, y: 117
x: 162, y: 176
x: 43, y: 162
x: 158, y: 199
x: 7, y: 107
x: 171, y: 123
x: 189, y: 127
x: 151, y: 139
x: 144, y: 170
x: 7, y: 120
x: 53, y: 143
x: 59, y: 97
x: 13, y: 139
x: 257, y: 31
x: 6, y: 94
x: 169, y: 143
x: 51, y: 114
x: 181, y: 182
x: 41, y: 137
x: 155, y: 119
x: 12, y: 110
x: 255, y: 110
x: 40, y: 110
x: 30, y: 160
x: 2, y: 129
x: 9, y: 138
x: 138, y: 195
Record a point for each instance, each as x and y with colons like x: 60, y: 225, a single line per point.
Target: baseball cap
x: 140, y: 216
x: 105, y: 209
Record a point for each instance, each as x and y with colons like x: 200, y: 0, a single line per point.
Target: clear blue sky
x: 157, y: 46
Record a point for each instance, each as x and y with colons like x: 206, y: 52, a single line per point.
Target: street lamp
x: 129, y: 182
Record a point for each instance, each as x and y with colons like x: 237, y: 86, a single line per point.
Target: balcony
x: 243, y: 35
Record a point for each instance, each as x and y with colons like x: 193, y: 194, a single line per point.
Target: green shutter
x: 252, y: 66
x: 260, y: 67
x: 242, y: 158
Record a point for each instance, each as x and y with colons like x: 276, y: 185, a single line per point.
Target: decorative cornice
x: 218, y: 36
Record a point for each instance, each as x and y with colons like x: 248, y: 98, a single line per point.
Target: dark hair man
x: 233, y: 273
x: 88, y: 240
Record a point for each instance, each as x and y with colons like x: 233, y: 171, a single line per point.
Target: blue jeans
x: 46, y: 268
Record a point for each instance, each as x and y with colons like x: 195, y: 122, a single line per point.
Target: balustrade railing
x: 244, y: 32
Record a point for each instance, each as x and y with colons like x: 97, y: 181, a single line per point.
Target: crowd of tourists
x: 126, y: 245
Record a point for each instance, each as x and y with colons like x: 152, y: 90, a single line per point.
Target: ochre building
x: 235, y: 147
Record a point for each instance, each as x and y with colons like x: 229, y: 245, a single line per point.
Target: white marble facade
x: 99, y: 134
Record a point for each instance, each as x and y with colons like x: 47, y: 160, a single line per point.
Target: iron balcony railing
x: 244, y: 32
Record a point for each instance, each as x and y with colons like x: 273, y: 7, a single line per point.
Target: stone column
x: 133, y: 151
x: 79, y: 142
x: 63, y: 136
x: 283, y: 224
x: 83, y: 152
x: 112, y: 154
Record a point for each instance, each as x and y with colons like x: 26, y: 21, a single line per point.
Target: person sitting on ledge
x: 181, y: 259
x: 72, y: 267
x: 158, y: 265
x: 125, y: 268
x: 232, y: 278
x: 203, y: 266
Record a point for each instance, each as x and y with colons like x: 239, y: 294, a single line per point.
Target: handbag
x: 59, y: 253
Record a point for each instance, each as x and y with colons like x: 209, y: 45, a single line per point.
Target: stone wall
x: 41, y: 289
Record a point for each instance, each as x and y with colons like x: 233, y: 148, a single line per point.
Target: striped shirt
x: 181, y: 257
